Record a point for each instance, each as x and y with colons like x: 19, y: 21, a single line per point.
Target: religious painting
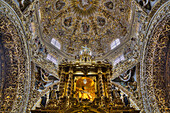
x: 85, y: 89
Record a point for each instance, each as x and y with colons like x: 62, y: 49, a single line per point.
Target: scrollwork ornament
x: 17, y: 89
x: 152, y: 78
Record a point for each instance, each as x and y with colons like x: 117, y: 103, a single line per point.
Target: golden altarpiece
x: 85, y: 87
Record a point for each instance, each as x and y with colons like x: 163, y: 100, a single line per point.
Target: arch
x: 16, y: 68
x: 152, y: 94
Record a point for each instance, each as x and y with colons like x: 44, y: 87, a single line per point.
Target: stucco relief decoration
x: 76, y: 23
x: 16, y: 71
x: 39, y: 50
x: 157, y: 80
x: 154, y: 80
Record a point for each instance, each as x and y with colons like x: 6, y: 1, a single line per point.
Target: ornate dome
x: 91, y: 23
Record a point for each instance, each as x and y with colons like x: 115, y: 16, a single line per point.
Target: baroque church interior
x: 84, y: 56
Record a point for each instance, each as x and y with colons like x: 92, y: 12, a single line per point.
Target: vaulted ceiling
x: 79, y: 23
x: 28, y: 26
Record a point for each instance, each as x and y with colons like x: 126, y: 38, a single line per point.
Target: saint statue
x: 85, y: 50
x: 84, y: 95
x: 43, y: 100
x: 85, y: 89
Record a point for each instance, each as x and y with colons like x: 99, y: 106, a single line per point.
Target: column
x: 101, y: 86
x: 108, y: 84
x: 70, y: 82
x: 61, y: 84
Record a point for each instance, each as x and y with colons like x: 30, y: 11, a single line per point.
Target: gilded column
x: 109, y: 90
x: 101, y: 86
x: 70, y: 82
x: 61, y: 85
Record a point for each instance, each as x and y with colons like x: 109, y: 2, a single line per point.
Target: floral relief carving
x: 16, y: 61
x: 153, y: 78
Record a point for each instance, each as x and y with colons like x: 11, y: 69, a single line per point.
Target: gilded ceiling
x: 27, y: 73
x: 91, y: 23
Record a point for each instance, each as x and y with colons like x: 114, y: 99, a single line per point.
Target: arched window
x: 118, y: 59
x: 115, y: 43
x: 55, y: 43
x: 52, y: 59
